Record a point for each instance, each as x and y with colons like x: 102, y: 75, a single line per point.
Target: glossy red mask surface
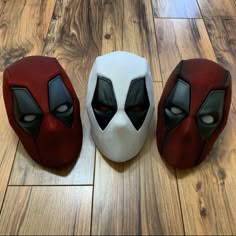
x: 192, y: 112
x: 43, y: 109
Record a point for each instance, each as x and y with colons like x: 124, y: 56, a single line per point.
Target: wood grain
x: 18, y: 37
x: 112, y: 26
x: 132, y: 29
x: 8, y: 145
x: 74, y: 38
x: 181, y: 39
x: 46, y: 211
x: 23, y: 28
x: 139, y: 196
x: 176, y: 8
x: 207, y: 192
x: 27, y: 172
x: 217, y: 8
x: 222, y: 32
x: 143, y: 195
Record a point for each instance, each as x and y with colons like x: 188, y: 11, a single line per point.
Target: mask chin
x: 120, y: 151
x: 58, y: 147
x: 181, y: 154
x: 120, y: 141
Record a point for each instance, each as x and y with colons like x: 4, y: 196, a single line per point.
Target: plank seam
x: 94, y: 169
x: 182, y: 216
x: 9, y: 177
x: 154, y: 25
x: 95, y: 149
x: 188, y: 18
x: 177, y: 185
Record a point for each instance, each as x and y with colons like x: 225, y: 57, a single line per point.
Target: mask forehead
x: 121, y: 68
x: 34, y: 73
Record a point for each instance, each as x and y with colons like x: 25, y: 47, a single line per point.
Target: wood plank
x: 46, y: 211
x: 181, y: 39
x: 112, y: 26
x: 207, y: 192
x: 18, y: 37
x: 131, y: 30
x: 139, y: 196
x: 176, y: 8
x: 74, y: 38
x: 222, y: 32
x: 217, y: 8
x: 8, y: 144
x: 27, y: 172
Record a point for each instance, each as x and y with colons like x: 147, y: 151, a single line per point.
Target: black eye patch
x: 104, y: 102
x: 177, y: 104
x: 210, y: 114
x: 137, y: 102
x: 26, y: 111
x: 60, y: 101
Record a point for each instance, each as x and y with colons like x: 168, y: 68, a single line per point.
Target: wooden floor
x: 97, y: 196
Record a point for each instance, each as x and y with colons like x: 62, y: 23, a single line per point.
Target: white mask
x: 120, y: 104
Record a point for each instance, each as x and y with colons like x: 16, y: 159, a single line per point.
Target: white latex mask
x: 120, y: 104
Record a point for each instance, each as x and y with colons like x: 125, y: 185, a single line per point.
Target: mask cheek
x: 29, y: 144
x: 182, y: 147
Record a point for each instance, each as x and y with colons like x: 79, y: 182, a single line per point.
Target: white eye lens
x: 29, y: 118
x: 62, y: 108
x: 207, y: 119
x: 176, y: 110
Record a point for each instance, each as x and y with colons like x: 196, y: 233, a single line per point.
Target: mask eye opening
x: 104, y: 103
x: 104, y: 108
x: 207, y: 119
x: 137, y: 108
x: 175, y: 110
x: 63, y: 108
x: 28, y: 118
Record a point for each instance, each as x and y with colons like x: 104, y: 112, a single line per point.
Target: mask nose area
x: 182, y: 146
x: 187, y: 128
x: 120, y: 121
x: 50, y: 123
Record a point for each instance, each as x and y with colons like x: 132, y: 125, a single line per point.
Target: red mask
x: 43, y: 109
x: 192, y: 111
